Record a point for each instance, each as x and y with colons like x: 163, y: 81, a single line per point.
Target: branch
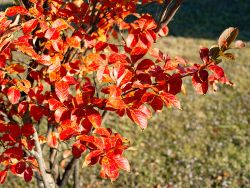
x: 76, y: 175
x: 53, y: 163
x: 169, y: 10
x: 93, y: 12
x: 68, y: 170
x: 38, y: 179
x: 39, y: 157
x: 21, y: 3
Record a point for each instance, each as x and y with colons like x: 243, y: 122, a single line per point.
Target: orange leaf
x: 29, y: 26
x: 15, y: 68
x: 52, y: 140
x: 138, y: 117
x: 60, y: 24
x: 62, y: 90
x: 12, y: 11
x: 54, y: 104
x: 74, y: 42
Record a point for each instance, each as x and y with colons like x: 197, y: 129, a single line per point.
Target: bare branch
x: 169, y: 10
x: 76, y: 175
x: 68, y: 170
x: 21, y: 3
x: 105, y: 115
x: 39, y: 157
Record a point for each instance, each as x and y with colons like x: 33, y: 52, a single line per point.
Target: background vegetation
x: 207, y: 143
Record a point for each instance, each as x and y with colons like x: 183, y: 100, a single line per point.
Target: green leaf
x: 214, y: 52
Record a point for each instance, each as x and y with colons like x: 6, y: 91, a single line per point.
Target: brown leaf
x: 227, y: 37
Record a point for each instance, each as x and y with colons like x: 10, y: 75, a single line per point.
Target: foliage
x: 85, y: 59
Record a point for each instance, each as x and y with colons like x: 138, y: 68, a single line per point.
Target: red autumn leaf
x: 132, y: 40
x: 13, y: 95
x: 204, y: 54
x: 140, y: 116
x: 92, y: 158
x: 96, y: 142
x: 12, y: 11
x: 113, y: 48
x: 109, y: 168
x: 95, y: 118
x: 203, y: 75
x: 145, y: 64
x: 36, y: 112
x: 29, y: 26
x: 200, y: 82
x: 137, y: 53
x: 170, y: 100
x: 103, y: 74
x: 217, y: 70
x: 27, y: 130
x: 20, y: 167
x: 67, y: 133
x: 175, y: 84
x: 54, y: 104
x: 101, y: 46
x: 62, y: 90
x: 2, y: 61
x: 120, y: 58
x: 78, y: 149
x: 61, y: 114
x: 52, y: 34
x: 69, y: 128
x: 145, y: 110
x: 122, y: 162
x: 123, y: 76
x: 102, y: 132
x: 14, y: 152
x: 22, y: 108
x: 3, y: 175
x: 28, y: 174
x: 156, y: 104
x: 28, y: 50
x: 70, y: 80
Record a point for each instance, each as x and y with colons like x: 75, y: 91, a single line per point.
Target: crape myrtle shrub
x: 84, y: 59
